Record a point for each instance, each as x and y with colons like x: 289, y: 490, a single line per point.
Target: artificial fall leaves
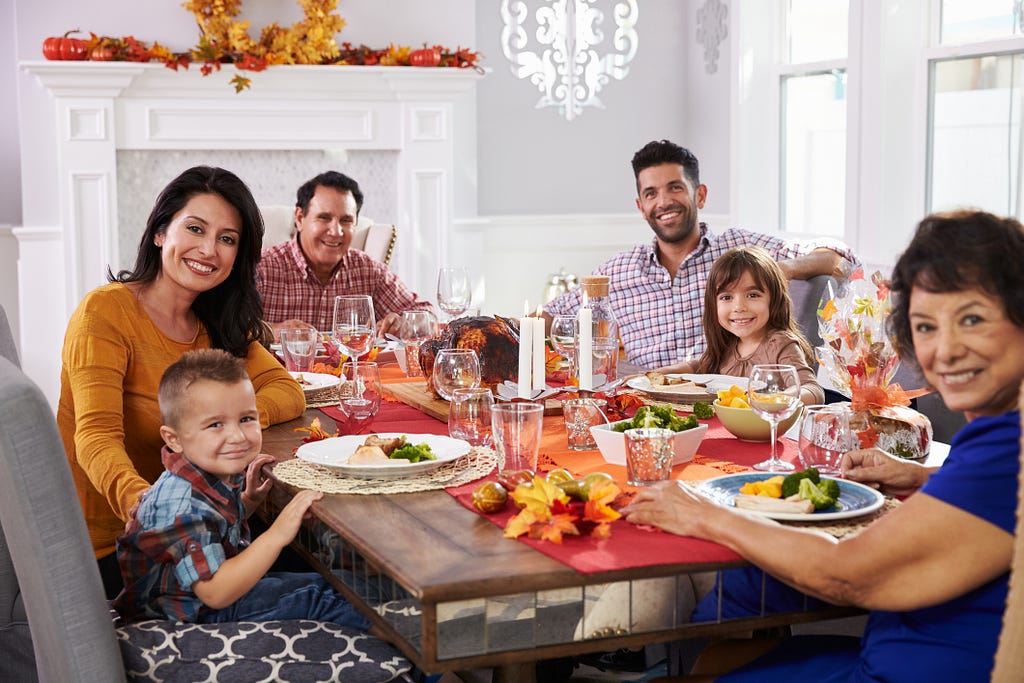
x: 547, y: 512
x: 224, y: 39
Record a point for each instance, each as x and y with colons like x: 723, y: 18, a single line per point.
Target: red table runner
x: 629, y: 545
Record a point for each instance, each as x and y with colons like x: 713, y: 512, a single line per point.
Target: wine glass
x: 453, y: 291
x: 417, y: 327
x: 562, y: 335
x: 469, y: 416
x: 455, y: 369
x: 774, y: 392
x: 354, y: 325
x: 825, y: 435
x: 361, y: 392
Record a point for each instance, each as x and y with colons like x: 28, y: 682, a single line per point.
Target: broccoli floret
x: 412, y: 453
x: 703, y: 410
x: 830, y: 487
x: 810, y: 491
x: 791, y: 484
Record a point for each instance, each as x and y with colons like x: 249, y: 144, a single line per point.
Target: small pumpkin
x: 65, y: 47
x: 102, y: 53
x: 428, y: 56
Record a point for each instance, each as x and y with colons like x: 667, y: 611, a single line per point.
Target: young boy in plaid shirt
x: 186, y: 553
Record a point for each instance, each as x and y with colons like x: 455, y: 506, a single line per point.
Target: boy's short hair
x: 215, y: 365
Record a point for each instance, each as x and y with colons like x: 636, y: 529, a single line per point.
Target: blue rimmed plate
x: 854, y: 499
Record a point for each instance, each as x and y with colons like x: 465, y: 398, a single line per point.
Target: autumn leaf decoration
x: 547, y: 512
x: 314, y: 432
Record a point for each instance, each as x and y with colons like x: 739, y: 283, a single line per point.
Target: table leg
x: 515, y: 673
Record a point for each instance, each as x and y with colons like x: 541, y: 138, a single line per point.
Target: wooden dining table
x: 442, y: 582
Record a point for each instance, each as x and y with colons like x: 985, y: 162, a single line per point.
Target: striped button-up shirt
x: 290, y: 289
x: 660, y: 317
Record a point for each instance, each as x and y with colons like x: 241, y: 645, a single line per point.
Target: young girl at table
x: 748, y: 321
x: 186, y: 553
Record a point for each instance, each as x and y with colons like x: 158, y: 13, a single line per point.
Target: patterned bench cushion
x: 295, y: 650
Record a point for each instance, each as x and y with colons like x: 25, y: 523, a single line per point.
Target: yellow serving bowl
x: 745, y: 425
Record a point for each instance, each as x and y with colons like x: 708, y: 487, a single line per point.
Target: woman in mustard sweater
x: 192, y: 287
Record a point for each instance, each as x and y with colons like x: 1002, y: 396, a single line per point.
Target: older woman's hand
x: 670, y: 506
x: 875, y: 467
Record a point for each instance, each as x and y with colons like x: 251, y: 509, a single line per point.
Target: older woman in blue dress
x: 933, y: 571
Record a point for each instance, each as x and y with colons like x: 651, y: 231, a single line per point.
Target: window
x: 812, y: 99
x: 976, y: 82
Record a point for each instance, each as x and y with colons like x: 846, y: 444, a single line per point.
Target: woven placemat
x: 479, y: 462
x: 849, y: 527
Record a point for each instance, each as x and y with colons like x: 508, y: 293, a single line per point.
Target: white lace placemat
x: 479, y: 462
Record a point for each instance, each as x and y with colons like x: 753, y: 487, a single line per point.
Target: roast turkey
x: 495, y: 340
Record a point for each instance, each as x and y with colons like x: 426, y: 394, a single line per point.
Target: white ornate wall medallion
x: 712, y: 28
x: 568, y: 68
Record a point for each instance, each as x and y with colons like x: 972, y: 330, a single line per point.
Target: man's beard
x: 679, y: 232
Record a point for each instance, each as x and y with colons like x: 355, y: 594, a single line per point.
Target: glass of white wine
x: 774, y: 392
x: 453, y: 291
x: 562, y: 335
x: 354, y: 326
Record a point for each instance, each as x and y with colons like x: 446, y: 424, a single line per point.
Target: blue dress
x: 953, y: 641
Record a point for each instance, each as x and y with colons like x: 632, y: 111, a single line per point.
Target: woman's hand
x: 875, y: 467
x: 671, y: 506
x: 257, y: 486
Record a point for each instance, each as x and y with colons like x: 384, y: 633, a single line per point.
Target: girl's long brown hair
x: 728, y: 269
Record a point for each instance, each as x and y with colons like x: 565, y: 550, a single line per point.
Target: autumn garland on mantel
x: 223, y: 39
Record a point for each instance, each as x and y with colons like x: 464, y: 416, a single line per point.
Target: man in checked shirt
x: 299, y: 279
x: 657, y: 288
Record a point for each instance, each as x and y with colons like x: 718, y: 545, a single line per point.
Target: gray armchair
x: 47, y: 557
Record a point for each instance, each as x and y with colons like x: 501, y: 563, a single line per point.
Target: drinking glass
x: 417, y: 327
x: 298, y: 346
x: 469, y: 416
x: 360, y: 395
x: 517, y: 431
x: 354, y: 324
x: 774, y: 395
x: 453, y: 290
x: 562, y: 335
x: 825, y: 435
x: 455, y: 369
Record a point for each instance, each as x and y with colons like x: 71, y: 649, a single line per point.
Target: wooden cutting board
x: 415, y: 394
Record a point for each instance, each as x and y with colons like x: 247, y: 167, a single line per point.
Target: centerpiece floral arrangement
x: 860, y: 359
x: 225, y: 39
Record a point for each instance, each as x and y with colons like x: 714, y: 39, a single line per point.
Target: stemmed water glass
x: 361, y: 392
x: 562, y: 335
x: 354, y: 325
x: 455, y: 369
x: 774, y: 395
x: 417, y: 327
x: 453, y: 290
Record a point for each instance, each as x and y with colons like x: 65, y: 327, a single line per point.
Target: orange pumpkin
x: 65, y: 47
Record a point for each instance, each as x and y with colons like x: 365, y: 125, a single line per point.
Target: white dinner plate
x: 854, y: 499
x: 710, y: 384
x: 315, y: 381
x: 335, y: 452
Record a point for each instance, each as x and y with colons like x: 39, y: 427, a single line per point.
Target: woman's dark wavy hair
x: 727, y: 270
x: 954, y: 252
x: 231, y: 311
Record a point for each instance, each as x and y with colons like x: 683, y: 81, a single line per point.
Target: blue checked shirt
x: 184, y: 527
x: 660, y: 317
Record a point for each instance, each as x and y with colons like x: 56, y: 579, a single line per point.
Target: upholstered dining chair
x: 45, y: 555
x: 376, y: 239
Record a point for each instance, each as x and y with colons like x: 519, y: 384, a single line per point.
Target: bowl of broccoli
x: 689, y: 433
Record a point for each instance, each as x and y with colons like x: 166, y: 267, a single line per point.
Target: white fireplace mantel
x: 426, y: 115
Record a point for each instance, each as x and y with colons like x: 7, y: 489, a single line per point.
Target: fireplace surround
x: 420, y: 122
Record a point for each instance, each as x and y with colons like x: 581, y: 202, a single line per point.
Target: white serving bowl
x: 613, y: 444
